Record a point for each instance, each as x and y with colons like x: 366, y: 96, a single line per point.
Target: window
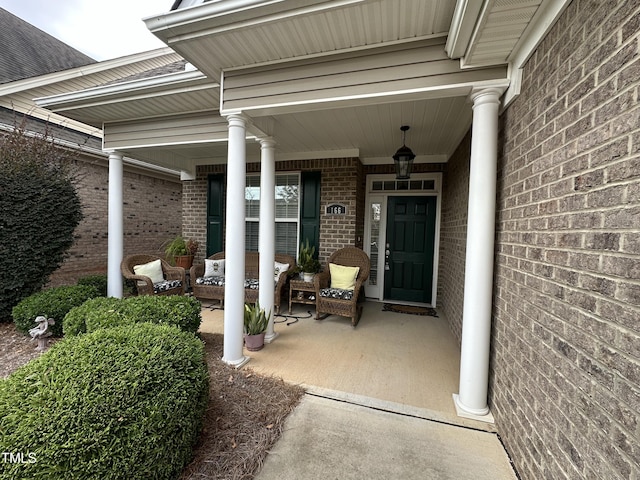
x: 287, y: 212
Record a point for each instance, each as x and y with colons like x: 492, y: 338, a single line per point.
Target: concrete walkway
x: 328, y: 439
x: 379, y: 402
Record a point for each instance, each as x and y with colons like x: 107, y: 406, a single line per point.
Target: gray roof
x: 29, y: 52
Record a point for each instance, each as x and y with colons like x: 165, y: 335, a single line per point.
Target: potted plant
x: 307, y: 264
x: 255, y: 326
x: 180, y: 252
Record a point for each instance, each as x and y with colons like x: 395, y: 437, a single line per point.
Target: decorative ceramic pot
x: 184, y: 261
x: 254, y: 342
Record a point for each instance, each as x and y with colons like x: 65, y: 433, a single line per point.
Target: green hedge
x: 52, y: 303
x: 183, y: 312
x: 75, y: 320
x: 97, y: 281
x: 118, y: 403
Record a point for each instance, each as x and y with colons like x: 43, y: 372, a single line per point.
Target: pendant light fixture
x: 403, y: 158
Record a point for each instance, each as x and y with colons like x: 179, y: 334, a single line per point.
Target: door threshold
x: 400, y: 302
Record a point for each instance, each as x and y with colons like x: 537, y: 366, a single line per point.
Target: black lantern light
x: 403, y: 158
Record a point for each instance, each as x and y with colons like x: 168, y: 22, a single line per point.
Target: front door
x: 409, y: 251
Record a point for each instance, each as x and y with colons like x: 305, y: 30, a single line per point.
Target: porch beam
x: 234, y: 243
x: 478, y: 283
x: 267, y: 234
x: 115, y: 238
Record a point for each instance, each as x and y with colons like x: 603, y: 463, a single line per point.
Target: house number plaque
x: 335, y: 209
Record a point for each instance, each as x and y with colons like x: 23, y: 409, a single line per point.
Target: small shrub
x: 97, y: 281
x: 52, y: 303
x: 75, y: 320
x: 183, y: 312
x: 119, y: 403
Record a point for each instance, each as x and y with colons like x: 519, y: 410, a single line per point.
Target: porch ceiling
x: 231, y: 36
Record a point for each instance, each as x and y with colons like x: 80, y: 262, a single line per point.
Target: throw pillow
x: 280, y: 268
x: 213, y: 268
x: 153, y: 270
x: 343, y: 277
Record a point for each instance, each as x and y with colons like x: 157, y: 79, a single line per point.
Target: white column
x: 115, y: 227
x: 478, y: 282
x: 267, y: 238
x: 234, y: 243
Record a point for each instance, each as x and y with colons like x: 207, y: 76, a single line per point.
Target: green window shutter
x: 215, y: 214
x: 310, y: 210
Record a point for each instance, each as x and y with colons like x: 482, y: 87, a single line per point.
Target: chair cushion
x: 280, y: 268
x: 213, y: 268
x: 212, y: 280
x: 252, y: 283
x: 342, y: 277
x: 337, y: 293
x: 166, y: 285
x: 153, y: 270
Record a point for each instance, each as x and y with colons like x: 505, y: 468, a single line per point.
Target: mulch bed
x: 245, y: 417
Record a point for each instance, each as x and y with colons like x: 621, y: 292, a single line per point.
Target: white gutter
x: 96, y: 93
x: 462, y: 27
x: 43, y: 80
x: 544, y: 19
x: 97, y: 152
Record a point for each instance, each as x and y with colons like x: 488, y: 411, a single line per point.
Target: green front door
x: 411, y: 223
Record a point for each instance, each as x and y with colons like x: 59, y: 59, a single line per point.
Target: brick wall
x: 565, y: 379
x: 453, y: 236
x: 152, y: 215
x: 341, y: 182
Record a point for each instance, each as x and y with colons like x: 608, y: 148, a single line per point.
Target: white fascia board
x: 50, y: 78
x: 226, y: 15
x: 544, y: 18
x: 96, y: 94
x: 99, y: 153
x: 541, y: 23
x: 462, y: 27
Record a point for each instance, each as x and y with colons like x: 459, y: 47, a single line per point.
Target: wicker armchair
x: 330, y: 301
x: 175, y: 278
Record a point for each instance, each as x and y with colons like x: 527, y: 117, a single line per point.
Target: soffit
x: 298, y: 29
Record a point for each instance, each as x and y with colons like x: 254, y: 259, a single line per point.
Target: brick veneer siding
x: 565, y: 361
x: 152, y: 204
x: 453, y: 236
x: 152, y: 215
x: 340, y: 183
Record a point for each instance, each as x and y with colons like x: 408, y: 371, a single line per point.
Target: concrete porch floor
x: 391, y: 361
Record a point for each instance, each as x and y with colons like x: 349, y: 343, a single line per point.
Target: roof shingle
x: 29, y: 52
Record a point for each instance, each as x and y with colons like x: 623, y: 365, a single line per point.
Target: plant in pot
x: 255, y: 326
x: 307, y: 264
x: 180, y: 252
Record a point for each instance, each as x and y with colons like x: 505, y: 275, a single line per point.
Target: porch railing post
x: 234, y: 243
x: 267, y: 237
x: 478, y: 282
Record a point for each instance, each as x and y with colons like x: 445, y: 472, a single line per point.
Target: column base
x: 479, y: 415
x: 270, y: 338
x: 241, y: 362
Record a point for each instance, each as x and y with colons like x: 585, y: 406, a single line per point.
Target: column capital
x: 114, y: 154
x: 266, y: 142
x: 486, y: 95
x: 237, y: 119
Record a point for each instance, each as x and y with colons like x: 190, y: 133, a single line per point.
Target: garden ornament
x: 41, y: 331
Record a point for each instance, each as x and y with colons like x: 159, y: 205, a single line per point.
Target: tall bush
x: 119, y: 403
x: 39, y: 210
